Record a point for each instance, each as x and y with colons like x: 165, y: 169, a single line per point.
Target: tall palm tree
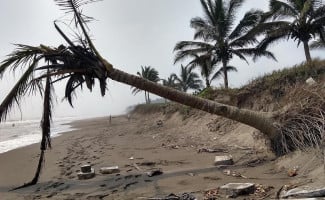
x: 150, y: 74
x: 219, y: 36
x: 79, y: 63
x: 304, y: 20
x: 170, y: 82
x: 207, y: 65
x: 187, y: 79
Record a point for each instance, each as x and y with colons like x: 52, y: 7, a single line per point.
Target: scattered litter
x: 85, y: 168
x: 131, y: 158
x: 154, y: 172
x: 223, y: 160
x: 184, y: 196
x: 233, y: 173
x: 293, y: 171
x: 211, y: 194
x: 191, y: 174
x: 87, y: 172
x: 262, y: 191
x: 109, y: 170
x: 207, y: 150
x: 236, y: 189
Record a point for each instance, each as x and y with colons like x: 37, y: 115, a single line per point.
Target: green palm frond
x: 22, y: 56
x: 319, y: 44
x: 149, y: 73
x: 281, y: 9
x: 18, y: 91
x: 220, y: 72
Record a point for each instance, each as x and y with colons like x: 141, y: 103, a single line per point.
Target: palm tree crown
x: 187, y: 79
x: 150, y: 74
x: 304, y: 20
x: 207, y: 64
x: 219, y: 37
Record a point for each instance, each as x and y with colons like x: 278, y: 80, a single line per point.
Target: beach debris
x: 87, y: 172
x: 159, y: 123
x: 310, y: 81
x: 262, y: 191
x: 147, y: 163
x: 228, y: 172
x: 109, y: 170
x: 137, y: 167
x: 191, y: 174
x: 131, y: 158
x: 211, y: 194
x: 304, y: 192
x: 223, y: 160
x: 293, y: 171
x: 214, y: 150
x: 184, y: 196
x: 85, y: 168
x: 236, y: 189
x: 154, y: 172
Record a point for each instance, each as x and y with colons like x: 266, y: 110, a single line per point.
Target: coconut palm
x: 219, y: 37
x: 150, y: 74
x: 207, y: 65
x: 304, y: 20
x: 170, y: 82
x: 318, y: 44
x: 79, y: 63
x: 187, y: 79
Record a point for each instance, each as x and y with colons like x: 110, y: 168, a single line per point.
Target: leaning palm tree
x: 304, y: 20
x: 219, y: 37
x: 187, y: 79
x: 147, y: 73
x: 207, y: 65
x: 79, y: 63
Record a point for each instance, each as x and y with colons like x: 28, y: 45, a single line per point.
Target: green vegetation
x: 300, y: 20
x: 150, y: 74
x: 217, y: 37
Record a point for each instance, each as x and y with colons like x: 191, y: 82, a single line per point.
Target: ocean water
x: 16, y: 134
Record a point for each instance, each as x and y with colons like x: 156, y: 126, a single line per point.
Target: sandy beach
x: 170, y: 143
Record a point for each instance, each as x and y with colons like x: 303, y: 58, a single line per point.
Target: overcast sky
x: 129, y: 34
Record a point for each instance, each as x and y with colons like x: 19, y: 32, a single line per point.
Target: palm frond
x: 220, y: 72
x: 281, y: 9
x: 18, y: 91
x: 22, y: 56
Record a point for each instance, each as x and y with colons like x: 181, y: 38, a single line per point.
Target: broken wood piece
x: 109, y: 170
x: 154, y: 172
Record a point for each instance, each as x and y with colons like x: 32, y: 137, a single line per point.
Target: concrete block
x: 87, y: 175
x: 304, y: 192
x: 236, y: 189
x: 223, y: 160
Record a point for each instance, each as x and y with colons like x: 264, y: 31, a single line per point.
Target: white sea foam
x: 16, y: 134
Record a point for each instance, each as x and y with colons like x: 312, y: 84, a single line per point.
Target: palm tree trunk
x: 259, y: 120
x: 145, y: 96
x: 207, y: 82
x: 148, y: 98
x: 224, y: 67
x: 307, y: 51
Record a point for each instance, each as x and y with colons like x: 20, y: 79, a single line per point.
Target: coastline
x: 133, y: 145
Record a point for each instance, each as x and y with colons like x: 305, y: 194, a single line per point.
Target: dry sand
x: 139, y: 145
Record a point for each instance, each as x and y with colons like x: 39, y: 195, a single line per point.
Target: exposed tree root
x: 303, y: 125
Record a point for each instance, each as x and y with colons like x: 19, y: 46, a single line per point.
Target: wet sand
x: 137, y: 146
